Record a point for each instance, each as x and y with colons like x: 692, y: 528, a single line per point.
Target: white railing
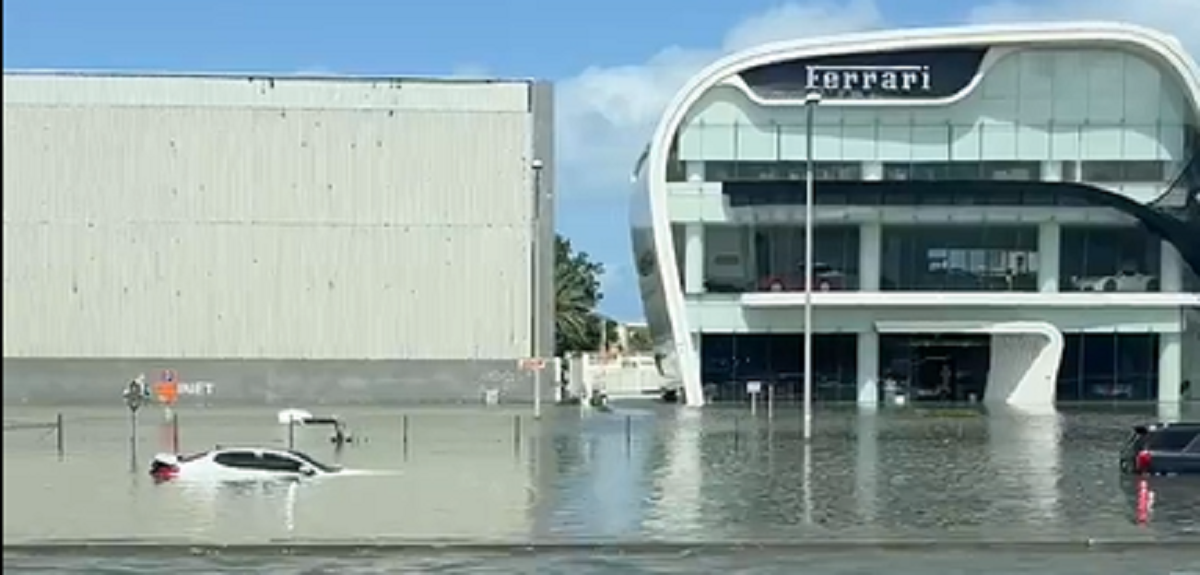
x: 616, y: 375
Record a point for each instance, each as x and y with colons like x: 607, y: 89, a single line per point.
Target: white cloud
x: 1177, y: 17
x: 615, y: 276
x: 606, y: 114
x: 470, y: 71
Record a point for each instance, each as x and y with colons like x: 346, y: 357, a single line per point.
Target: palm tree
x: 576, y: 294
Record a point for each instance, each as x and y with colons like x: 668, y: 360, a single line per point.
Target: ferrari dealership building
x: 1009, y: 214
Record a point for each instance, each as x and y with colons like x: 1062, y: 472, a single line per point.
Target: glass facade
x: 742, y: 259
x: 1083, y: 147
x: 1109, y: 259
x: 960, y: 258
x: 935, y: 367
x: 1109, y: 367
x: 730, y: 360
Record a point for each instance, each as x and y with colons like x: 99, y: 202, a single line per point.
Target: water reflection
x: 677, y: 508
x: 1029, y: 443
x: 653, y: 473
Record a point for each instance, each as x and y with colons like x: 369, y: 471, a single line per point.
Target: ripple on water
x: 625, y: 476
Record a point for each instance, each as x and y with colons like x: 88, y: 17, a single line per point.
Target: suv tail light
x: 1141, y: 462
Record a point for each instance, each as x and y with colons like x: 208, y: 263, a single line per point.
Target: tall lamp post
x: 535, y: 324
x: 811, y: 101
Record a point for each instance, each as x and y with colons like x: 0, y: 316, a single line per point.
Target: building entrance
x: 937, y: 367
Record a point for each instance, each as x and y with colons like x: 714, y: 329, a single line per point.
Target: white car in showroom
x: 239, y: 464
x: 1124, y: 281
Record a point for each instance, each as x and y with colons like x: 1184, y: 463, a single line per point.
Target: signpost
x: 753, y: 388
x: 136, y: 395
x: 535, y: 365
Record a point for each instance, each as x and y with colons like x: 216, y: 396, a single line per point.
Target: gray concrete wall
x: 282, y: 383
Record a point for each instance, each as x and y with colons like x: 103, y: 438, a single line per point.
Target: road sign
x: 532, y: 364
x: 754, y: 387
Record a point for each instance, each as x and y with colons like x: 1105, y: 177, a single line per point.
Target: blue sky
x: 616, y: 63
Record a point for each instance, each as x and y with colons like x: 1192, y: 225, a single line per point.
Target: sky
x: 615, y: 63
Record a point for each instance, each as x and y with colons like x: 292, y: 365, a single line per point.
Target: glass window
x: 1150, y: 171
x: 729, y: 361
x: 1172, y: 439
x: 935, y: 367
x: 778, y: 258
x: 756, y: 171
x: 780, y: 171
x: 960, y: 258
x: 718, y: 171
x: 273, y: 462
x: 239, y: 459
x: 1070, y: 387
x: 1070, y: 171
x: 1109, y: 259
x: 933, y: 171
x: 1019, y: 171
x: 1111, y: 367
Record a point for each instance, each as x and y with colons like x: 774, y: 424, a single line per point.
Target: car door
x: 281, y: 465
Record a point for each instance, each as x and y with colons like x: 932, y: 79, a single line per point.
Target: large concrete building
x: 1009, y: 213
x: 275, y: 238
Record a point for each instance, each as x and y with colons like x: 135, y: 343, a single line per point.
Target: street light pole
x: 811, y: 100
x: 535, y: 327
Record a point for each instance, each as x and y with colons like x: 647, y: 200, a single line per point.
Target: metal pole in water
x: 59, y: 435
x: 535, y: 256
x: 810, y: 104
x: 405, y: 436
x: 291, y: 432
x: 770, y: 402
x: 133, y: 439
x: 516, y: 433
x: 628, y: 433
x: 736, y: 434
x: 808, y: 487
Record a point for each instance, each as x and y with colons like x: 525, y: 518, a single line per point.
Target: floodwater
x: 640, y: 489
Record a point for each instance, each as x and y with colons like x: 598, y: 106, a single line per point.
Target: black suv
x: 1163, y: 449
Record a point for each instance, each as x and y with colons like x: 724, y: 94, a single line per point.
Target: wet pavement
x: 637, y: 475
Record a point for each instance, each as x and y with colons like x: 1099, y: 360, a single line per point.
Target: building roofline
x: 251, y: 76
x: 933, y: 37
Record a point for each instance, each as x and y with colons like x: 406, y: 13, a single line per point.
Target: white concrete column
x: 870, y: 260
x: 1049, y: 263
x: 693, y: 258
x: 872, y: 171
x: 1171, y: 269
x: 1052, y: 171
x: 693, y: 171
x: 868, y: 369
x: 1170, y: 367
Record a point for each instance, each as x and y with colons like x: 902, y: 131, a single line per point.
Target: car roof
x: 1161, y: 426
x: 228, y: 448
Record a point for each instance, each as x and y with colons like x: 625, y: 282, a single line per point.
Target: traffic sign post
x: 136, y: 395
x: 753, y: 388
x: 536, y: 365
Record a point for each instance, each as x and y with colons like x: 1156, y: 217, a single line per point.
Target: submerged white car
x: 239, y: 464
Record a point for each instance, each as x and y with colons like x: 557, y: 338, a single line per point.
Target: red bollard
x: 1145, y: 501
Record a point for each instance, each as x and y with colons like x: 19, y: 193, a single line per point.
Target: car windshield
x: 313, y: 462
